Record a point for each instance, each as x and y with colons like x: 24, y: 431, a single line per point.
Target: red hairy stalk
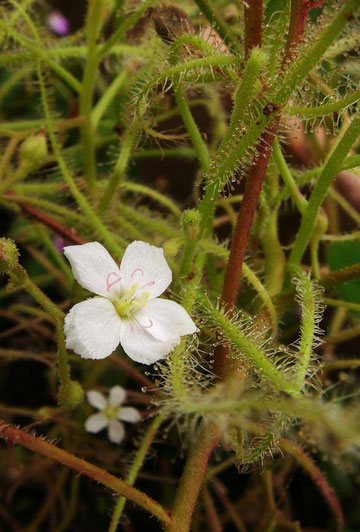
x: 192, y: 479
x: 298, y: 15
x: 42, y: 447
x: 244, y: 222
x: 47, y: 220
x: 253, y: 25
x: 316, y: 475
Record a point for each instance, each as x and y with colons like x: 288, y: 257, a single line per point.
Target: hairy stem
x: 330, y: 170
x: 192, y: 479
x: 134, y: 469
x: 247, y: 209
x: 316, y: 475
x: 42, y: 447
x: 253, y: 25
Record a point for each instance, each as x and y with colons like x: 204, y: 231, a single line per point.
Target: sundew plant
x: 180, y: 260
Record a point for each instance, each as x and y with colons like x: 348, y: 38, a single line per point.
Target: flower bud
x: 191, y: 223
x: 33, y: 152
x: 70, y: 394
x: 9, y: 255
x: 46, y: 412
x: 171, y: 247
x: 171, y: 22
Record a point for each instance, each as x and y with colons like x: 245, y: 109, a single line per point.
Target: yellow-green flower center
x: 111, y: 412
x: 127, y: 304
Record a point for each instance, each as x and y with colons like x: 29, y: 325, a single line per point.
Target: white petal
x: 96, y: 399
x: 116, y: 431
x: 117, y: 396
x: 92, y: 328
x: 165, y: 320
x: 129, y: 414
x: 146, y: 266
x: 94, y: 268
x: 139, y: 345
x: 96, y: 423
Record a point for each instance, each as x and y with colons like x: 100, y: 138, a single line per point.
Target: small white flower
x: 110, y: 413
x: 128, y: 310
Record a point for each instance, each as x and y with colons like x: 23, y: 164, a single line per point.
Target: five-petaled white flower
x: 128, y: 310
x: 110, y: 413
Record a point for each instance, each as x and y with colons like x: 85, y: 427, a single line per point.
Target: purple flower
x: 58, y: 24
x: 60, y: 243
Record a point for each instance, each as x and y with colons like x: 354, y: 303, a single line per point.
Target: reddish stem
x: 253, y: 25
x: 47, y: 220
x: 340, y: 276
x: 298, y: 15
x: 192, y: 479
x: 244, y: 222
x: 132, y: 372
x: 314, y: 472
x: 212, y: 517
x: 40, y: 446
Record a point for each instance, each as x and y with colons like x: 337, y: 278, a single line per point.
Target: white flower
x: 128, y: 310
x: 110, y: 413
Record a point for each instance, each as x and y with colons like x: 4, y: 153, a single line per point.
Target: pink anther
x: 148, y: 326
x: 109, y: 282
x: 135, y: 272
x: 150, y: 283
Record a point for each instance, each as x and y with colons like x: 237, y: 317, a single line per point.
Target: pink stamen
x: 110, y: 283
x: 150, y: 283
x: 135, y: 272
x: 148, y: 326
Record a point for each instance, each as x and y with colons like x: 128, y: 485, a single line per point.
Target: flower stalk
x: 48, y: 450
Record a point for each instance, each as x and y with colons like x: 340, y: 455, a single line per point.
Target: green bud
x: 33, y: 152
x: 171, y: 247
x: 71, y: 394
x: 9, y: 255
x: 191, y: 223
x: 46, y: 412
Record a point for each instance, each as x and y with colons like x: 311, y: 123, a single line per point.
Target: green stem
x: 93, y: 28
x: 117, y: 84
x: 93, y: 219
x: 200, y: 146
x: 341, y: 303
x: 69, y: 52
x: 38, y: 52
x: 42, y: 447
x: 247, y: 91
x: 194, y: 64
x: 20, y: 277
x: 120, y: 168
x: 134, y: 469
x: 154, y: 194
x: 325, y: 109
x: 261, y: 363
x: 21, y: 173
x: 300, y: 68
x: 250, y: 276
x: 285, y: 173
x: 330, y: 170
x: 307, y: 299
x: 341, y: 364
